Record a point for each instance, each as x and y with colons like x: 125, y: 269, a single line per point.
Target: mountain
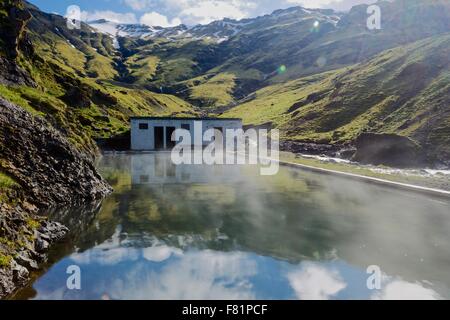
x: 275, y: 48
x: 88, y: 82
x: 318, y: 76
x: 217, y: 31
x: 122, y: 30
x: 72, y: 76
x: 403, y: 91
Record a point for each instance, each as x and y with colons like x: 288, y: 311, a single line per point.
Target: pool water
x: 226, y: 232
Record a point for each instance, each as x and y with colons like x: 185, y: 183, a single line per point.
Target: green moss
x: 33, y: 224
x: 8, y: 243
x: 5, y: 260
x: 6, y: 182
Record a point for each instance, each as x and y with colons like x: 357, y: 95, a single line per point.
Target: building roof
x: 185, y: 118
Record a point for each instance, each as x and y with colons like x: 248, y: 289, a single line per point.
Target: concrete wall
x: 144, y: 140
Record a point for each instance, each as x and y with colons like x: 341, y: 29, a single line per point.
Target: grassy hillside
x: 317, y: 75
x: 405, y: 90
x: 283, y: 46
x: 75, y: 90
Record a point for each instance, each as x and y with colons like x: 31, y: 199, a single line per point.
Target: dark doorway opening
x: 159, y: 138
x: 169, y: 143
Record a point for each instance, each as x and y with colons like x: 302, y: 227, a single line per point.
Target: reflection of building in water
x: 155, y: 133
x: 158, y: 168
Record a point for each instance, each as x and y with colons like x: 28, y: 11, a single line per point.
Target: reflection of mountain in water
x: 294, y: 216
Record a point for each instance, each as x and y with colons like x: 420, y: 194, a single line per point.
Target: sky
x: 168, y: 13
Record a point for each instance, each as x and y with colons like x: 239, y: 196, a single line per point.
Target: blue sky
x: 173, y: 12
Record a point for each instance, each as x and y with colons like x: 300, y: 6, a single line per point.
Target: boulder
x: 388, y: 149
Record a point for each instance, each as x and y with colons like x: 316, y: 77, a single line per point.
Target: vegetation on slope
x: 403, y: 90
x: 284, y: 46
x: 74, y: 72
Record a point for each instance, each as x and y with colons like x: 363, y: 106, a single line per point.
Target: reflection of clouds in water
x: 315, y: 282
x: 192, y: 275
x: 105, y: 256
x: 164, y: 272
x: 402, y: 290
x: 108, y: 253
x: 160, y: 253
x: 198, y: 275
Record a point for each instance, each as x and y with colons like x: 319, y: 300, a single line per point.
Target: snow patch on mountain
x: 218, y: 31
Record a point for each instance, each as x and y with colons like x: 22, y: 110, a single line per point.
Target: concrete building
x: 154, y: 133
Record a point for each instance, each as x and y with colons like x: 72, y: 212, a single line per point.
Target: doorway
x: 159, y: 138
x: 169, y: 143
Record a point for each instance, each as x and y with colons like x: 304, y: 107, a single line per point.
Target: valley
x: 331, y: 86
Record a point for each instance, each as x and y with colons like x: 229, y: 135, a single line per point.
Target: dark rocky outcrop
x: 310, y: 148
x: 27, y: 243
x: 12, y: 74
x: 119, y: 142
x: 13, y: 38
x: 388, y: 149
x: 79, y: 95
x: 50, y: 173
x: 13, y: 29
x: 44, y: 163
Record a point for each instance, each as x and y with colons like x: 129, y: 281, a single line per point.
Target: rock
x: 12, y: 74
x: 23, y: 258
x: 19, y: 273
x: 347, y: 153
x: 52, y: 231
x: 387, y: 149
x: 13, y: 29
x: 77, y: 97
x: 310, y: 148
x: 41, y: 245
x: 101, y: 98
x: 44, y: 163
x: 51, y: 173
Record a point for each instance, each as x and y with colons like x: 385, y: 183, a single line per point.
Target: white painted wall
x: 144, y: 140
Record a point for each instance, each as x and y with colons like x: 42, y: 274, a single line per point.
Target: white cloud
x: 139, y: 5
x: 402, y: 290
x: 340, y: 5
x: 207, y: 11
x: 160, y: 253
x: 191, y: 12
x: 126, y: 18
x: 157, y: 19
x: 314, y: 282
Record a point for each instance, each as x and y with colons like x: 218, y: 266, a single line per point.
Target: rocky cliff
x: 47, y: 171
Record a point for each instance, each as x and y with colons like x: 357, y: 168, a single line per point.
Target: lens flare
x: 315, y: 27
x: 281, y: 69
